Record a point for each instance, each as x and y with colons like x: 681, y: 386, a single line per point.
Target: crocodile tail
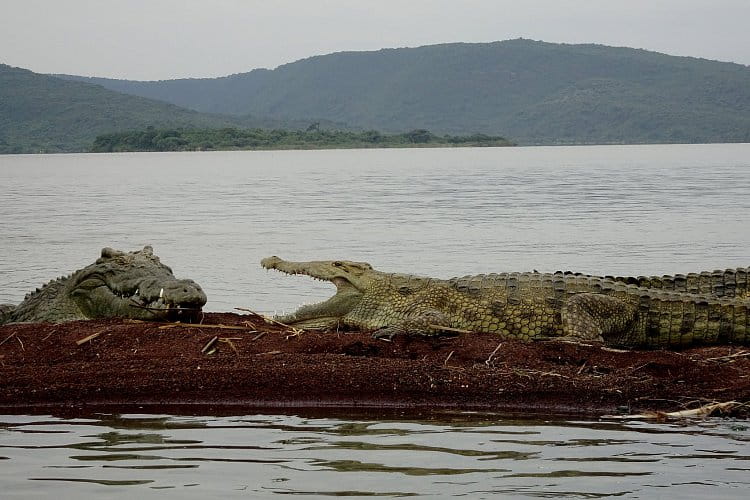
x: 682, y: 320
x: 728, y: 283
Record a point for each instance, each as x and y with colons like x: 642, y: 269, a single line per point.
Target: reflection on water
x: 474, y: 455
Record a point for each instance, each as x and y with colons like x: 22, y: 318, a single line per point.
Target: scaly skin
x: 727, y: 283
x: 731, y: 283
x: 119, y: 284
x: 526, y: 306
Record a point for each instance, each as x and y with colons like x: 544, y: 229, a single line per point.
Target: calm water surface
x: 439, y: 212
x: 472, y: 456
x: 213, y: 216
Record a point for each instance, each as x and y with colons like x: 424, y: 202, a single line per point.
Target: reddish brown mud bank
x: 241, y: 360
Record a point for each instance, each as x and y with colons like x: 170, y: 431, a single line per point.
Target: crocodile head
x: 134, y: 285
x: 352, y: 280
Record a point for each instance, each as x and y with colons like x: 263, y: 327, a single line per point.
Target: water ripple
x: 213, y: 216
x: 453, y: 455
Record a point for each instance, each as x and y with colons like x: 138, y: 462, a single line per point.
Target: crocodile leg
x: 5, y: 310
x: 426, y: 322
x: 594, y: 317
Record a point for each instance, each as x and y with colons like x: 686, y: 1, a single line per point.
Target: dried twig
x: 568, y: 340
x: 265, y: 318
x: 268, y: 353
x: 209, y: 345
x: 296, y: 332
x: 449, y: 329
x: 640, y: 367
x: 193, y: 325
x: 8, y: 338
x: 528, y: 372
x: 245, y: 309
x: 258, y: 336
x: 492, y: 354
x: 521, y: 373
x: 612, y: 349
x: 449, y: 357
x: 274, y: 322
x: 89, y: 338
x: 231, y: 344
x: 703, y: 411
x: 730, y: 357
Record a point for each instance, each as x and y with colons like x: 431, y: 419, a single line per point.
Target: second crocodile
x: 527, y: 306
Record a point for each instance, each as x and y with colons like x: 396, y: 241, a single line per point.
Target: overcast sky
x: 160, y: 39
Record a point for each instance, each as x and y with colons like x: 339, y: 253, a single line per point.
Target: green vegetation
x: 45, y: 114
x: 534, y: 92
x: 40, y: 113
x: 152, y: 139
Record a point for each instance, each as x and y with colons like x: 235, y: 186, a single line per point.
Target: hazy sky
x: 158, y: 39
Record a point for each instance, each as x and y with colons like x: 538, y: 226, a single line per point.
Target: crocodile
x: 527, y: 306
x: 119, y: 284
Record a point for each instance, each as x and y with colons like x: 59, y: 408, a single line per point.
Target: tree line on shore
x: 228, y: 138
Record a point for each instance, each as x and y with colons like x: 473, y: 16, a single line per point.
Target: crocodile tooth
x: 161, y: 293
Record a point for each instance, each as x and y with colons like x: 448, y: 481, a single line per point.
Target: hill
x: 42, y: 113
x: 532, y: 92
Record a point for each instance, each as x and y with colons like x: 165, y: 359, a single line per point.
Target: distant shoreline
x: 233, y: 139
x: 310, y: 148
x: 362, y: 146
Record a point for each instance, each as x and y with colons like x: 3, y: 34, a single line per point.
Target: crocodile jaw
x: 345, y: 275
x: 148, y: 299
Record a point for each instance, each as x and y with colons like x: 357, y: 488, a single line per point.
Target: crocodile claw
x: 386, y: 333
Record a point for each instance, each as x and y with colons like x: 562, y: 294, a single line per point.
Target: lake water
x: 440, y: 212
x: 472, y: 456
x: 213, y: 216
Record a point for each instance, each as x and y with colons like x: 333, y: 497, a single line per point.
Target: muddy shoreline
x: 254, y: 364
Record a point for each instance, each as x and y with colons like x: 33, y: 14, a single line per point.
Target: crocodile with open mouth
x: 527, y: 306
x: 119, y: 284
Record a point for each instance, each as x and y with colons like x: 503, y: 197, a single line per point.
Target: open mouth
x: 319, y: 314
x: 322, y: 293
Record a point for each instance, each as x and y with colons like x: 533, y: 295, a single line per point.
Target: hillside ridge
x: 529, y: 91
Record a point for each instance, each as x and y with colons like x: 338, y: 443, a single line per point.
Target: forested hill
x: 532, y: 92
x: 43, y: 113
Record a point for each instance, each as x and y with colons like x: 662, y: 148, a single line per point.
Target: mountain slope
x: 43, y: 113
x: 532, y: 92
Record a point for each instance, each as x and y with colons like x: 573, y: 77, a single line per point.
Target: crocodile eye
x: 337, y: 263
